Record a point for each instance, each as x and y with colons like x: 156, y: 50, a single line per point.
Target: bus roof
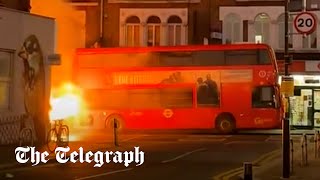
x: 171, y: 48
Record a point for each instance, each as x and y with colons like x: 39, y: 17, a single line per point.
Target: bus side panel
x: 236, y: 99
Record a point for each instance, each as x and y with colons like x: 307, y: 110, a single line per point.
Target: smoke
x: 70, y: 25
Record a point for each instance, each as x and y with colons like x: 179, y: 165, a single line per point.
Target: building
x: 175, y: 22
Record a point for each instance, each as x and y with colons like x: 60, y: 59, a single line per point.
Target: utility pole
x: 286, y: 122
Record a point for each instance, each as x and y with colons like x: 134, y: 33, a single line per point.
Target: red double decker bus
x: 226, y: 87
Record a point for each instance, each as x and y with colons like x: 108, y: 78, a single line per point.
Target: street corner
x: 258, y: 165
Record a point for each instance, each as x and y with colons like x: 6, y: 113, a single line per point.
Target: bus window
x: 241, y: 57
x: 263, y: 97
x: 176, y: 97
x: 264, y: 57
x: 175, y: 58
x: 143, y: 98
x: 208, y: 58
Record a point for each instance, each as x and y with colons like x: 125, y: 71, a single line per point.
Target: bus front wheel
x: 225, y: 123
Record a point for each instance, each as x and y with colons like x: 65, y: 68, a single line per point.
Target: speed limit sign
x: 305, y: 23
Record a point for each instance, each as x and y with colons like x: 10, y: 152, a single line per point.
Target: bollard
x: 306, y: 148
x: 247, y: 166
x: 318, y: 143
x: 115, y: 134
x: 302, y: 150
x: 315, y: 144
x: 292, y: 155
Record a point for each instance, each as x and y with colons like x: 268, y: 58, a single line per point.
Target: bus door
x: 265, y: 107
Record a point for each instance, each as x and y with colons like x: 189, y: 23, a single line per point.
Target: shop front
x: 305, y: 103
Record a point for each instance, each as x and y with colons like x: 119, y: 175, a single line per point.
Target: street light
x: 285, y: 122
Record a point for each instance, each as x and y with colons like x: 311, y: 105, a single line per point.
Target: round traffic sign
x: 305, y: 23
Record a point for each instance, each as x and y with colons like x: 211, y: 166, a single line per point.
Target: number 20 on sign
x: 305, y: 23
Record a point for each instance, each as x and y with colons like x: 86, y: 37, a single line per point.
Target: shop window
x: 5, y: 79
x: 263, y: 97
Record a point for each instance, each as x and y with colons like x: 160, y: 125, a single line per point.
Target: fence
x: 13, y: 127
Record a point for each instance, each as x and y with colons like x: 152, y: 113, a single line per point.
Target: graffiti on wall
x: 34, y: 81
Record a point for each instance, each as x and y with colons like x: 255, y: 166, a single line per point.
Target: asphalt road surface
x: 167, y: 157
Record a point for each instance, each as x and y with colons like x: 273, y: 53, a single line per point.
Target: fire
x: 66, y: 102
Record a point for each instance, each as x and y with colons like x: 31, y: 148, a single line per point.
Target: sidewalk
x: 273, y: 171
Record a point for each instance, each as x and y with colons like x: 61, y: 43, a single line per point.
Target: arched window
x: 262, y: 28
x: 153, y: 24
x: 174, y: 30
x: 281, y: 32
x: 310, y: 41
x: 132, y: 31
x: 232, y: 28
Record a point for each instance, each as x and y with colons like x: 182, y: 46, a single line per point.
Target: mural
x: 34, y: 82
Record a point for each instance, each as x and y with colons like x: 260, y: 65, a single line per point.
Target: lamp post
x: 285, y: 122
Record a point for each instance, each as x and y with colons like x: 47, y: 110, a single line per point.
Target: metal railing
x: 304, y: 150
x: 292, y: 155
x: 316, y: 143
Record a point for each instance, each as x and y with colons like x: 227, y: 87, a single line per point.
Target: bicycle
x: 58, y: 135
x: 25, y: 133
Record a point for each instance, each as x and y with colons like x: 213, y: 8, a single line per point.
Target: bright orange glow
x: 70, y: 33
x: 66, y: 102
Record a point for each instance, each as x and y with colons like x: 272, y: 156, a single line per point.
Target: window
x: 133, y: 31
x: 281, y: 32
x: 176, y: 97
x: 263, y: 97
x: 5, y: 79
x: 174, y: 30
x: 310, y: 41
x: 153, y: 25
x: 232, y: 28
x: 261, y: 27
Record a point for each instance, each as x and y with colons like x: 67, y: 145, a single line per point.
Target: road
x: 167, y: 156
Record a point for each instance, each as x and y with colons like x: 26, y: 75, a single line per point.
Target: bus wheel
x: 109, y: 123
x: 225, y: 123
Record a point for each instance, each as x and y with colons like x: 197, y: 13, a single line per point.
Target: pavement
x: 272, y: 170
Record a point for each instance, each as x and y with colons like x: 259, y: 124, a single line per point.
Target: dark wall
x: 22, y: 5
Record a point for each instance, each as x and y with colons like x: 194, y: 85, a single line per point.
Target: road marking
x: 202, y: 139
x: 273, y: 138
x: 261, y: 160
x: 132, y: 138
x: 244, y: 142
x: 104, y: 174
x: 236, y: 173
x: 210, y: 136
x: 183, y: 155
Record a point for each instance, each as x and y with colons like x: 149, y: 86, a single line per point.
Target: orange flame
x: 66, y: 102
